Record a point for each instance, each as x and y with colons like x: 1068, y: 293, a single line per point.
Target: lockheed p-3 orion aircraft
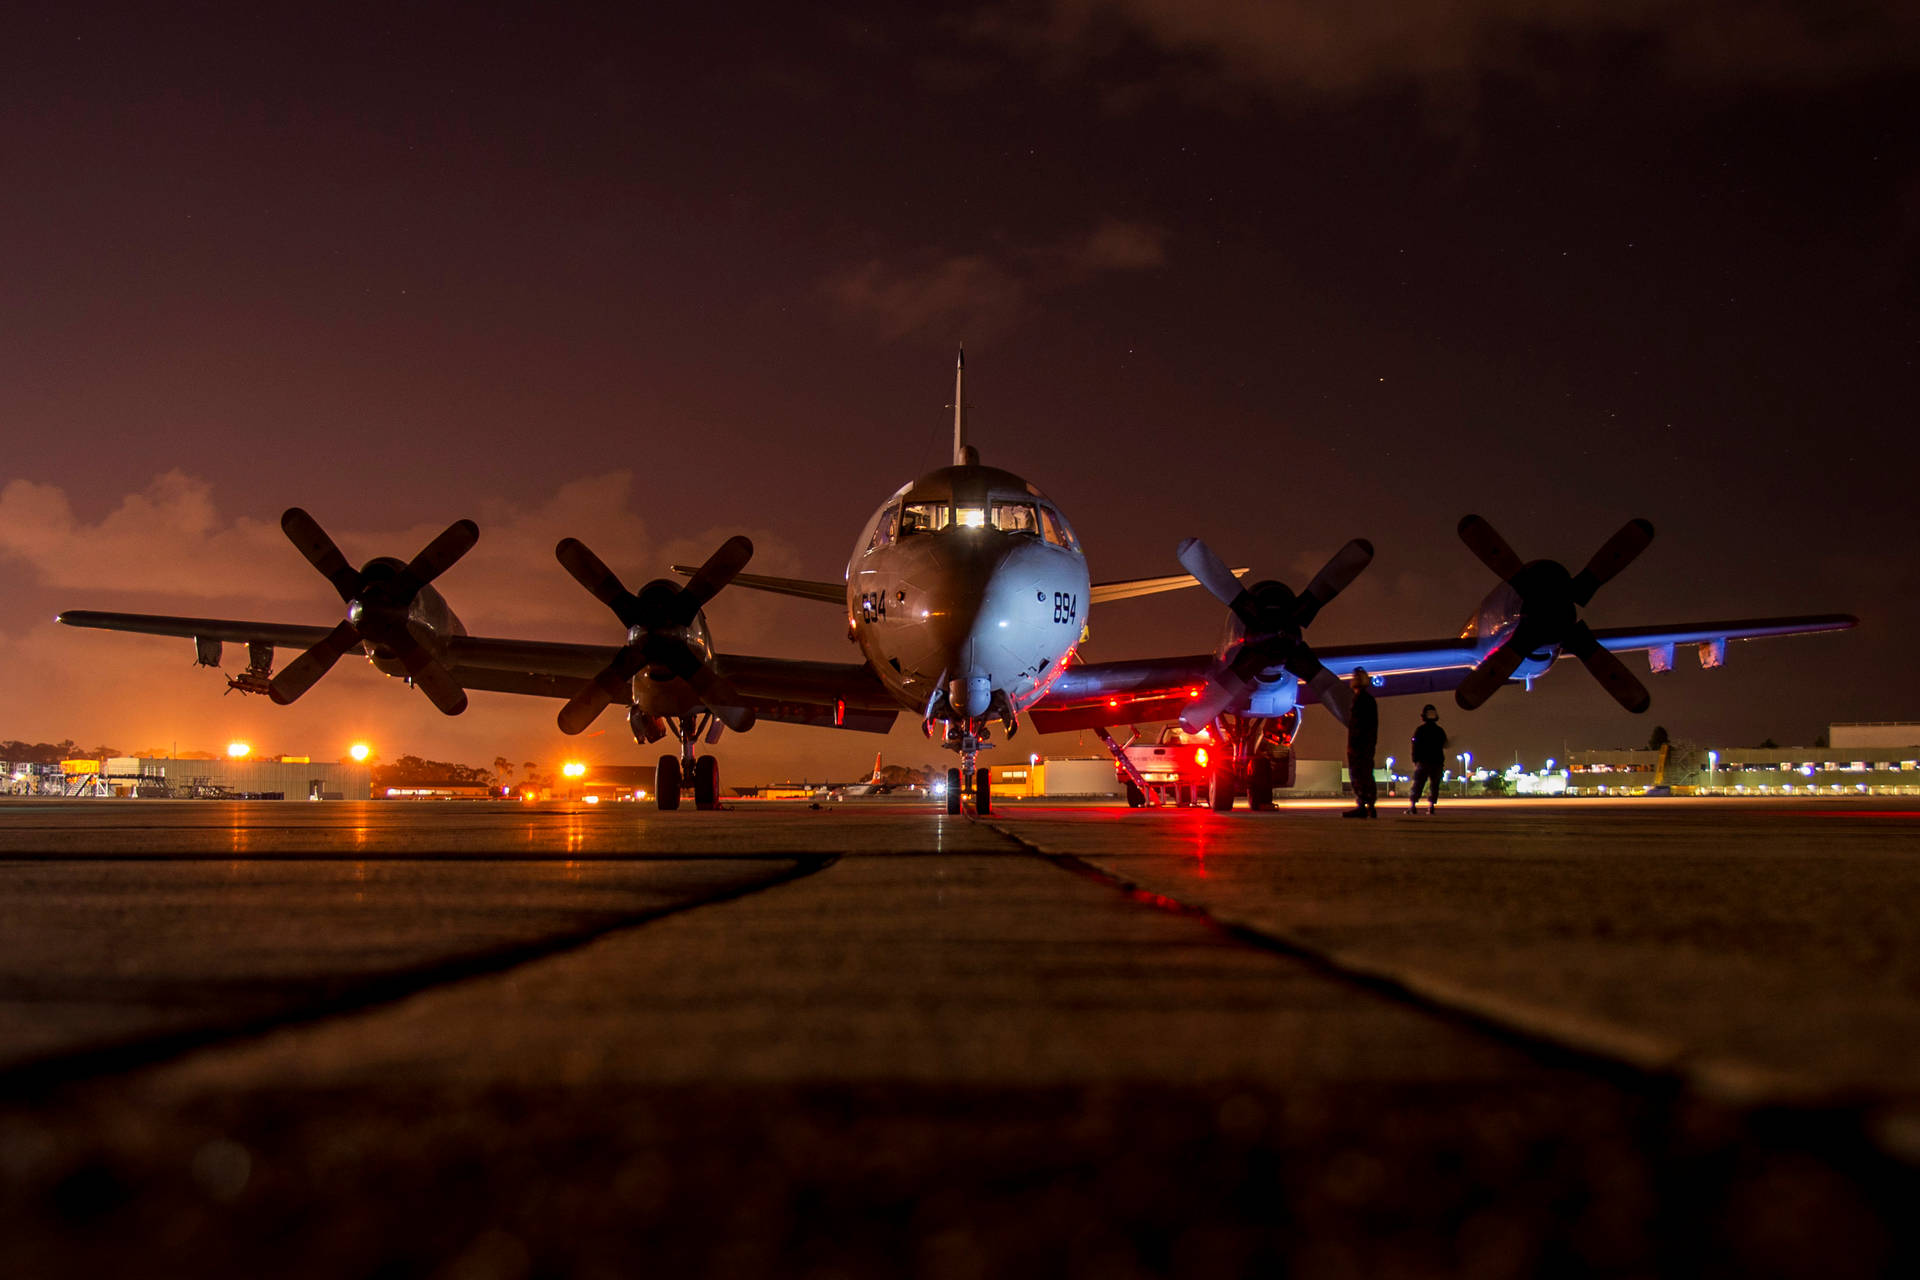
x: 968, y: 596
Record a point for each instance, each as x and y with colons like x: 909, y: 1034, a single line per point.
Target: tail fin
x: 876, y: 768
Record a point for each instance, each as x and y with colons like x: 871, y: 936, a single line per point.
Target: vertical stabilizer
x: 876, y: 778
x: 963, y: 456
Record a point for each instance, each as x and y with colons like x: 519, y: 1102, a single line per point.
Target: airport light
x: 1713, y: 763
x: 573, y: 769
x: 360, y: 751
x: 239, y: 750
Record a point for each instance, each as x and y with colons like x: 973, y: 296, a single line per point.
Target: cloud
x: 966, y: 295
x: 169, y: 549
x: 1118, y: 246
x: 1328, y: 47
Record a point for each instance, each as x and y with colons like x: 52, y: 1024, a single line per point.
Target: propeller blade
x: 1333, y: 693
x: 304, y: 671
x: 584, y: 707
x: 1335, y: 576
x: 721, y: 699
x: 431, y: 677
x: 311, y: 541
x: 592, y: 573
x: 1485, y: 542
x: 1198, y: 559
x: 1222, y: 691
x: 1621, y: 550
x: 716, y: 573
x: 1494, y: 670
x: 439, y: 555
x: 1608, y: 669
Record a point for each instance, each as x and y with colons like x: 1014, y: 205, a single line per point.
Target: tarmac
x: 867, y: 1039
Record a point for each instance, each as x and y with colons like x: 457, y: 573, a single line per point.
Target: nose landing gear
x: 968, y: 738
x: 677, y: 773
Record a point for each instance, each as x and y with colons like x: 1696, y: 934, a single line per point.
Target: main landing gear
x: 1257, y: 760
x: 685, y: 771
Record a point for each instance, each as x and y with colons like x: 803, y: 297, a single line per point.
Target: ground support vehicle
x: 1250, y: 755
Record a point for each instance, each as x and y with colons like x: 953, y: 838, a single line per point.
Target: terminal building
x: 1864, y: 758
x: 158, y: 778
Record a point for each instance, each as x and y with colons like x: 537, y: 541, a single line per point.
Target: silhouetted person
x: 1363, y: 737
x: 1429, y: 758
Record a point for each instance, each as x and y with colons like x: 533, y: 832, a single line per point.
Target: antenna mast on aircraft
x: 964, y: 454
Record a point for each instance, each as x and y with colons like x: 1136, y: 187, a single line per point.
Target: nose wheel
x: 686, y: 771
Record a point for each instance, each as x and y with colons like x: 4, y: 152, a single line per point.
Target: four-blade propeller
x: 1274, y: 618
x: 659, y: 622
x: 1550, y: 601
x: 379, y: 598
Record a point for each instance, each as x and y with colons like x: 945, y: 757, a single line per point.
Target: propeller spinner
x: 1550, y: 601
x: 379, y: 599
x: 657, y: 619
x: 1274, y: 618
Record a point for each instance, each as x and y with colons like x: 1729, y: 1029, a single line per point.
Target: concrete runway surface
x: 482, y: 1040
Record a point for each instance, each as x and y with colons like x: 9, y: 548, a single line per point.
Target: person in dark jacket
x: 1429, y: 758
x: 1363, y: 738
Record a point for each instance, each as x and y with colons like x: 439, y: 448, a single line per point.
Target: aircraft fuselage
x: 967, y: 593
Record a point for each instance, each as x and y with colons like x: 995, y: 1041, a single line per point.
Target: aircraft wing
x: 834, y: 695
x: 284, y: 635
x: 830, y: 694
x: 1103, y: 693
x: 806, y: 589
x: 1128, y: 588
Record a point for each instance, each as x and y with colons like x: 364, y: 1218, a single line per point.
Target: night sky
x: 1277, y: 275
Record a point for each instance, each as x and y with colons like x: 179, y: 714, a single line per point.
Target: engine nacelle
x: 1274, y: 698
x: 430, y: 619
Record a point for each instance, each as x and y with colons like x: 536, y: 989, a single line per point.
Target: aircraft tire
x: 982, y: 793
x: 1284, y: 770
x: 1220, y: 787
x: 953, y: 791
x: 706, y: 783
x: 1260, y: 783
x: 666, y: 783
x: 1134, y: 797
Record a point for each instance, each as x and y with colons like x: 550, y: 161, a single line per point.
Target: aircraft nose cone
x: 1008, y: 615
x: 964, y: 632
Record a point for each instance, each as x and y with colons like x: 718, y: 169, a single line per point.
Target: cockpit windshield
x: 883, y: 531
x: 1028, y: 519
x: 924, y: 517
x: 1016, y: 517
x: 1058, y: 531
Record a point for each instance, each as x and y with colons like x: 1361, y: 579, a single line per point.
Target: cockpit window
x: 1058, y: 531
x: 970, y: 517
x: 883, y: 532
x: 1016, y: 517
x: 924, y: 517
